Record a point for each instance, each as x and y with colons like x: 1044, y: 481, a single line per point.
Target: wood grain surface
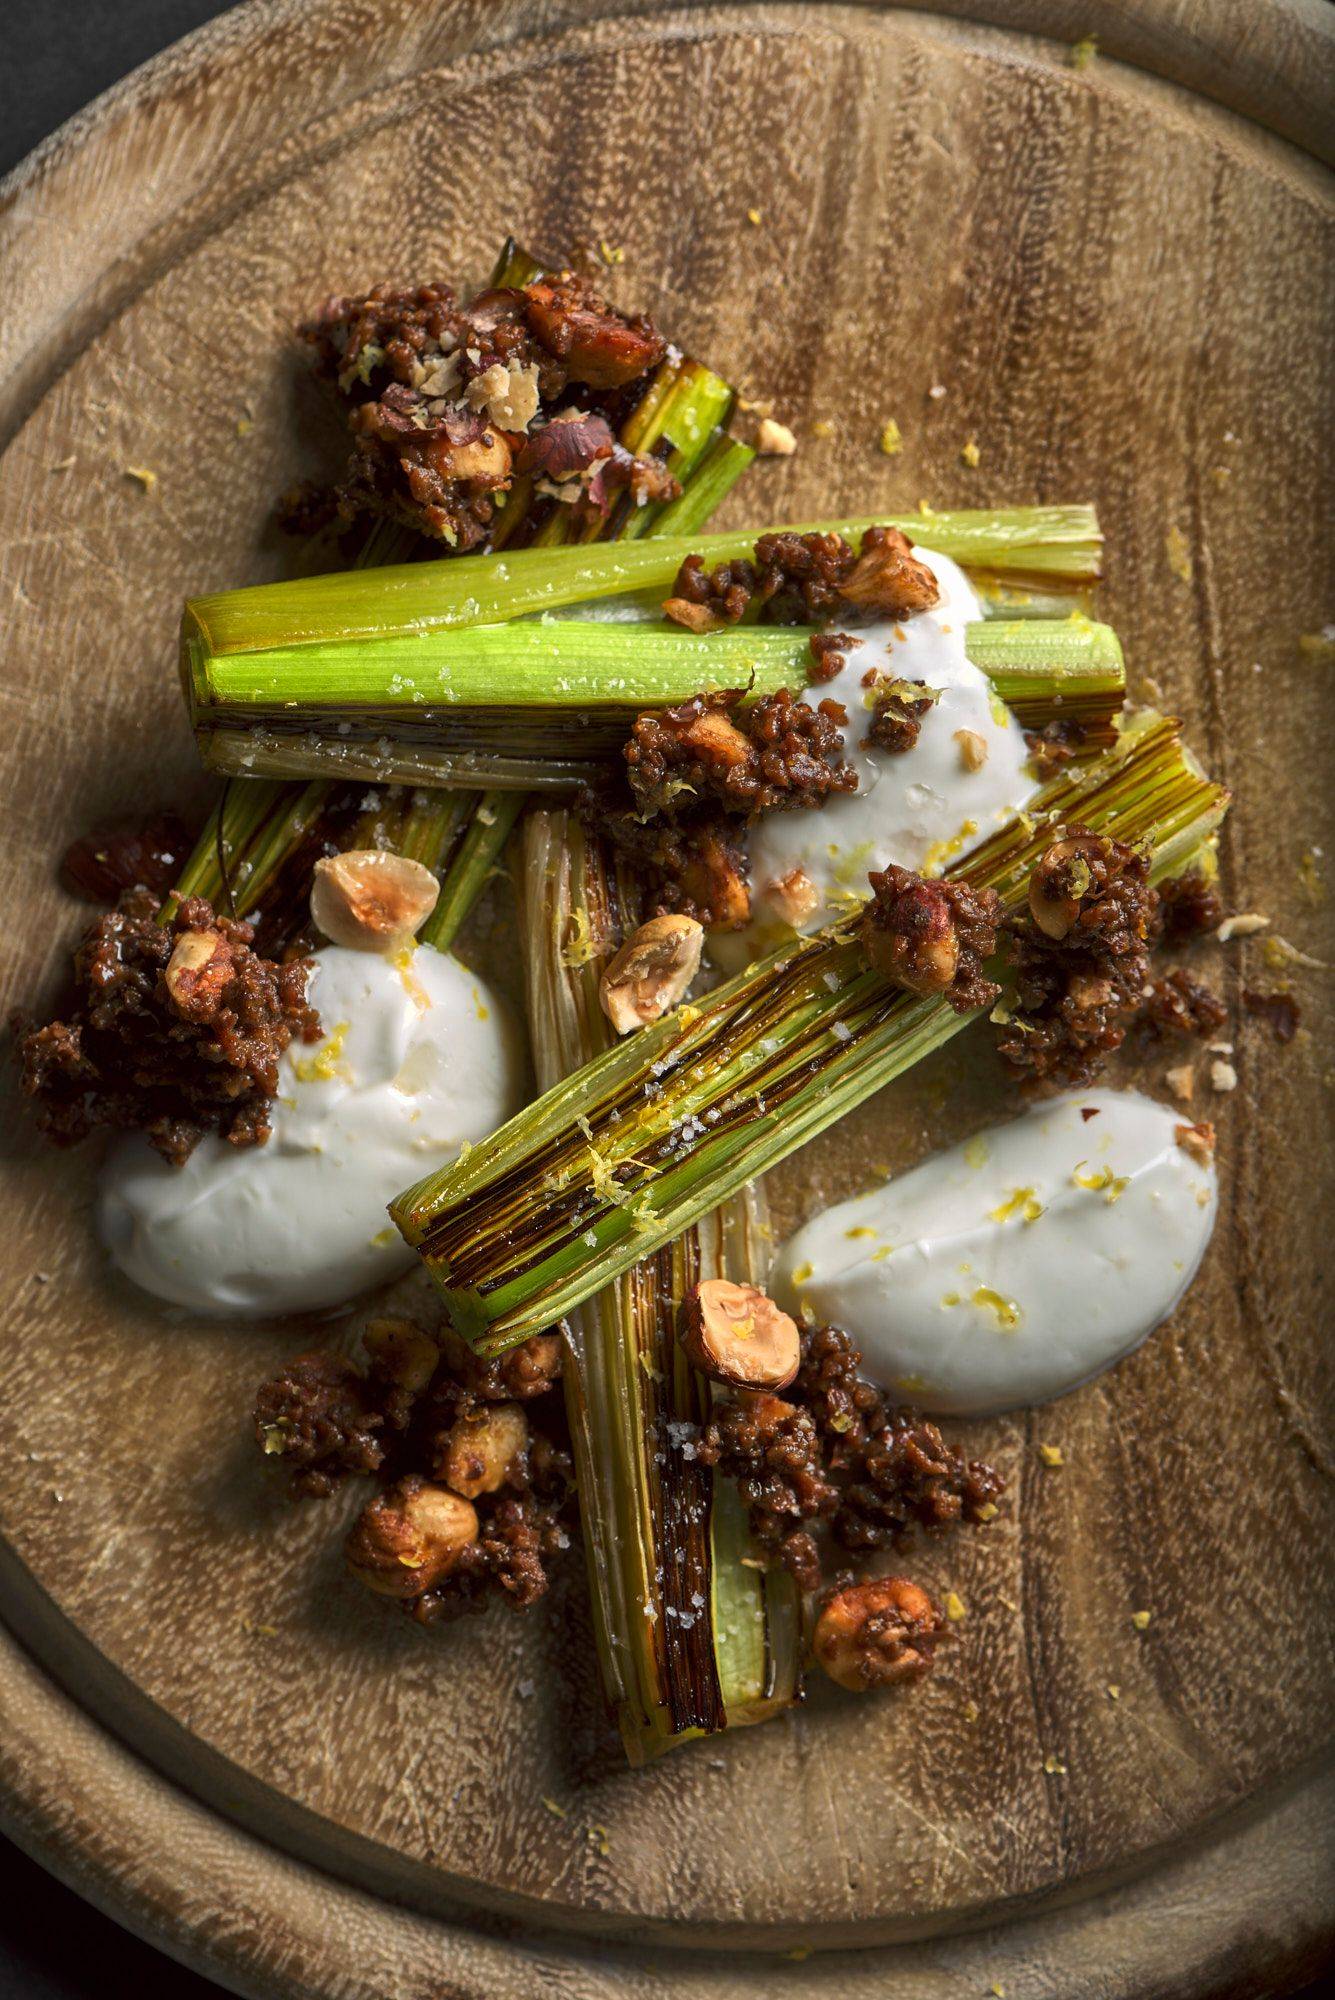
x: 1123, y: 289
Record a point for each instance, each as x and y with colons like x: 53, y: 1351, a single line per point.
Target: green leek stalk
x: 257, y: 853
x: 544, y: 704
x: 694, y: 1635
x: 614, y: 1162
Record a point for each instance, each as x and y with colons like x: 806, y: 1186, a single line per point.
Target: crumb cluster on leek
x: 615, y: 1161
x: 692, y: 1637
x: 441, y: 674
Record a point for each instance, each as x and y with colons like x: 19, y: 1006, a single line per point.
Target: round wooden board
x: 1121, y: 285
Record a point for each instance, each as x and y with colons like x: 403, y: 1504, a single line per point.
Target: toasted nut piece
x: 878, y: 1632
x: 1182, y: 1082
x: 198, y: 969
x: 735, y: 1333
x: 650, y: 972
x: 402, y: 1351
x: 1197, y: 1141
x: 774, y: 440
x: 973, y: 749
x: 482, y: 1448
x: 922, y: 952
x: 409, y: 1537
x: 1062, y: 877
x: 1089, y: 989
x: 719, y: 741
x: 695, y: 617
x: 794, y: 898
x: 370, y: 899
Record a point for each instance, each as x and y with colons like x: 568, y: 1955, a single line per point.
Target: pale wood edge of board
x: 1237, y: 1914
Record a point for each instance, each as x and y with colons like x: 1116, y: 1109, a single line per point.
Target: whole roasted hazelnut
x: 651, y: 972
x: 875, y: 1633
x: 482, y: 1448
x: 370, y: 899
x: 403, y: 1352
x: 198, y: 969
x: 409, y: 1537
x: 735, y: 1333
x: 910, y: 937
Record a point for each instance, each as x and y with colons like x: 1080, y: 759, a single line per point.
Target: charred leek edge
x: 691, y: 1638
x: 619, y: 1159
x: 1054, y: 547
x: 546, y: 704
x: 262, y: 841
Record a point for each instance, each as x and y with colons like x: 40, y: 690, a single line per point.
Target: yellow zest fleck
x: 997, y: 1990
x: 802, y: 1273
x: 822, y: 428
x: 402, y: 962
x: 1083, y: 52
x: 1054, y: 1766
x: 1051, y: 1454
x: 1140, y: 1619
x: 1023, y: 1202
x: 327, y: 1061
x: 1006, y: 1310
x: 580, y: 948
x: 799, y: 1952
x: 971, y: 1714
x: 885, y: 1250
x: 1309, y: 875
x: 891, y: 439
x: 558, y: 1812
x: 1179, y: 555
x: 859, y: 1229
x: 954, y: 1606
x: 950, y: 1299
x: 384, y: 1237
x: 976, y: 1151
x: 686, y: 1014
x: 1113, y: 1185
x: 1114, y: 1692
x: 1318, y: 647
x: 987, y: 1512
x: 596, y: 1835
x: 753, y: 217
x: 480, y: 1006
x: 244, y: 426
x: 144, y: 476
x: 611, y: 253
x: 969, y: 452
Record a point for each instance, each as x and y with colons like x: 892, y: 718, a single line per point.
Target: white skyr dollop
x: 921, y: 808
x: 1010, y: 1269
x: 418, y: 1057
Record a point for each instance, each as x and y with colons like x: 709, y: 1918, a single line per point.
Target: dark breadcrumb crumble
x: 327, y: 1419
x: 153, y: 1043
x: 450, y: 399
x: 805, y: 579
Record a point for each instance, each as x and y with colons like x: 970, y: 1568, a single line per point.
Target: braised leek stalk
x: 256, y: 856
x: 547, y: 703
x: 611, y: 1164
x: 693, y: 1635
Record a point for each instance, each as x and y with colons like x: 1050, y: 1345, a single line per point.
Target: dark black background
x: 56, y: 55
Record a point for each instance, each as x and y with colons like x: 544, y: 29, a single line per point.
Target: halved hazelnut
x: 198, y: 969
x: 409, y: 1537
x: 650, y: 972
x: 973, y: 749
x: 1061, y: 879
x: 481, y: 1448
x: 736, y: 1333
x: 794, y: 898
x: 370, y: 899
x: 878, y: 1632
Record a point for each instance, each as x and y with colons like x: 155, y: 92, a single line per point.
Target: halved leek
x: 547, y: 703
x: 692, y: 1636
x: 616, y: 1161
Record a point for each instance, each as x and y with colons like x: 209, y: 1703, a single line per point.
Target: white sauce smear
x: 418, y: 1057
x: 1016, y: 1266
x: 921, y: 808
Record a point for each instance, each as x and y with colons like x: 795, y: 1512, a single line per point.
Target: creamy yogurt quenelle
x: 418, y: 1056
x: 920, y: 809
x: 1008, y: 1270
